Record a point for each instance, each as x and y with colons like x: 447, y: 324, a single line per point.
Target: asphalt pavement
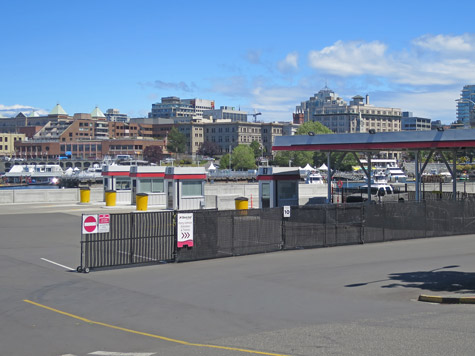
x: 353, y: 300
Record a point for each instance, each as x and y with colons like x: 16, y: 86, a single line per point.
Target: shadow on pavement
x: 436, y: 280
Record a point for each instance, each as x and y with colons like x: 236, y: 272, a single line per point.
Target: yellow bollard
x: 241, y: 203
x: 141, y: 201
x: 85, y: 195
x: 111, y: 197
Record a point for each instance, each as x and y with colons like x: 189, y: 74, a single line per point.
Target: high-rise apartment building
x: 115, y: 115
x: 339, y: 116
x: 466, y: 105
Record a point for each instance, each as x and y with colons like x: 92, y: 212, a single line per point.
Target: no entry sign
x: 89, y: 224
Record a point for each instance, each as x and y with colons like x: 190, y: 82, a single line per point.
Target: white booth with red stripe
x: 278, y: 186
x: 184, y: 187
x: 149, y: 180
x: 117, y: 178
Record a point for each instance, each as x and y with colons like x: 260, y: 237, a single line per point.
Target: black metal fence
x: 138, y: 238
x: 231, y: 233
x: 133, y: 238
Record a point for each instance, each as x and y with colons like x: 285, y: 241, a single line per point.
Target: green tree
x: 256, y: 148
x: 176, y: 141
x: 313, y: 126
x: 243, y: 158
x: 224, y: 162
x: 301, y: 158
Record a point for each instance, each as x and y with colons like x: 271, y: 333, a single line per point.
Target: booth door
x: 265, y: 198
x: 170, y: 195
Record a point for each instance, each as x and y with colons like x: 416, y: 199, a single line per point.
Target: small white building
x: 149, y: 180
x: 278, y: 186
x: 117, y: 178
x: 184, y: 187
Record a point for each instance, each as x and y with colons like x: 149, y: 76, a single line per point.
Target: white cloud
x: 352, y: 58
x: 289, y: 63
x: 179, y: 86
x: 446, y: 43
x: 433, y: 60
x: 436, y: 104
x: 13, y: 110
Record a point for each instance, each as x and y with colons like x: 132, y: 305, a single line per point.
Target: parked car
x: 379, y: 193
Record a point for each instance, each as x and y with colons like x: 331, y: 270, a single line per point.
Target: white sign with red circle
x: 89, y: 224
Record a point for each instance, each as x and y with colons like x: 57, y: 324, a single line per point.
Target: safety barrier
x: 133, y: 238
x: 151, y: 237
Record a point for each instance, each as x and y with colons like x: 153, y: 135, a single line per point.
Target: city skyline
x: 264, y: 56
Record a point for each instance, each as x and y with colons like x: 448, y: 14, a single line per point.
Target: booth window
x: 192, y: 188
x: 151, y: 186
x: 287, y: 190
x: 122, y: 183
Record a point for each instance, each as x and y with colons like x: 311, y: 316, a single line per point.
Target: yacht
x: 314, y: 178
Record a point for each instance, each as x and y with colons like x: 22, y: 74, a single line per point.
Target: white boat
x: 314, y: 178
x: 38, y: 174
x: 379, y: 177
x: 91, y: 173
x: 392, y: 171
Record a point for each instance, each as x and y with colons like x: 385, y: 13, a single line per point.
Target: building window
x: 191, y: 188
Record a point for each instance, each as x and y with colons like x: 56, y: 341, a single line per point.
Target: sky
x: 258, y: 55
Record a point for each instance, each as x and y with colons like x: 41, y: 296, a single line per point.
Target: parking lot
x: 354, y: 300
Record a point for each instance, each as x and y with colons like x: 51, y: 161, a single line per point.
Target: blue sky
x: 262, y: 55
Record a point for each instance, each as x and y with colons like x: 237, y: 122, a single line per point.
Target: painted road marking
x: 153, y: 335
x: 57, y: 264
x: 110, y: 353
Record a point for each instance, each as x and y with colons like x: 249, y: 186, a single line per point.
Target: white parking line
x: 57, y: 264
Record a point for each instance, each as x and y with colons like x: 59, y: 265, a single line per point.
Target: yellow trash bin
x: 241, y: 203
x: 111, y: 197
x: 141, y: 200
x: 85, y: 194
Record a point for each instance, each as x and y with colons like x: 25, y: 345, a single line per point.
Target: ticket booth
x: 184, y: 188
x: 278, y: 186
x: 117, y: 178
x: 149, y: 180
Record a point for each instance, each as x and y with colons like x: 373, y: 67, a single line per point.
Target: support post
x: 418, y: 187
x: 454, y: 180
x: 329, y: 179
x: 368, y: 155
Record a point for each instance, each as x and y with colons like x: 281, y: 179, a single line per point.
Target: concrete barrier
x: 22, y: 196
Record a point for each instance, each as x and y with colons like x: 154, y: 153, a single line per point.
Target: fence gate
x: 130, y: 238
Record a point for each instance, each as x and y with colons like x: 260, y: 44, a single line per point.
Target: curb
x: 446, y: 300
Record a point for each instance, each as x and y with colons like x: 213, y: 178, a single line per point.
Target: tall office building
x: 356, y: 116
x: 465, y: 105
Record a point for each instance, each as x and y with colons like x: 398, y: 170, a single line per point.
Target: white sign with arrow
x: 184, y: 230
